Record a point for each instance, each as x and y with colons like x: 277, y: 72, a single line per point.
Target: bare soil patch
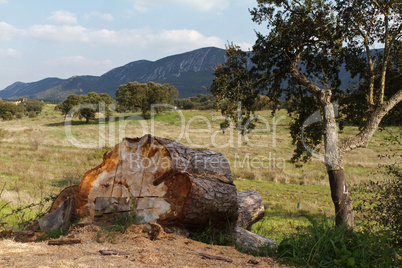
x: 169, y: 250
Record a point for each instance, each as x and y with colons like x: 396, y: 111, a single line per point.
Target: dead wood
x: 107, y: 252
x: 59, y: 242
x: 212, y: 257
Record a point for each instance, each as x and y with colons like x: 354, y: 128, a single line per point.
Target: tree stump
x: 166, y: 181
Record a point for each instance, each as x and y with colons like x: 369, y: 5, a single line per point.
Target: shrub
x: 382, y: 204
x: 19, y: 115
x: 323, y: 245
x: 7, y: 116
x: 32, y: 114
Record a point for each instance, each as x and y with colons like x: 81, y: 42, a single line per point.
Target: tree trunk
x: 166, y: 181
x: 251, y: 208
x: 341, y: 198
x: 339, y: 189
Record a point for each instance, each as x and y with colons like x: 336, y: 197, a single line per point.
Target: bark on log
x: 251, y: 208
x: 170, y: 183
x: 252, y: 242
x: 58, y: 218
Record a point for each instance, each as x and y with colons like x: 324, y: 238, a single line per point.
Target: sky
x: 54, y: 38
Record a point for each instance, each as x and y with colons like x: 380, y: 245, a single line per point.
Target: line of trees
x: 86, y: 106
x: 22, y: 107
x: 136, y: 96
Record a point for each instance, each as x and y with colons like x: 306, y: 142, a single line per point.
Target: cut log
x: 251, y: 208
x: 252, y: 242
x: 166, y: 182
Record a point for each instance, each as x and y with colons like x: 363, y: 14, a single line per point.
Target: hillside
x: 189, y: 72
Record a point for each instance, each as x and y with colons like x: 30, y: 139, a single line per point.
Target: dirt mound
x: 134, y: 249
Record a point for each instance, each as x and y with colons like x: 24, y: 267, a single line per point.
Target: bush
x: 323, y: 245
x: 7, y: 116
x: 32, y: 114
x: 382, y: 204
x: 19, y: 115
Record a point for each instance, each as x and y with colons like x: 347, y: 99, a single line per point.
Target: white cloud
x: 3, y: 1
x: 202, y: 5
x: 9, y: 53
x: 63, y: 17
x: 56, y: 33
x: 206, y: 5
x: 101, y: 16
x: 8, y: 31
x: 167, y: 40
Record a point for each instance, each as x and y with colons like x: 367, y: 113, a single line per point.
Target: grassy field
x: 38, y: 158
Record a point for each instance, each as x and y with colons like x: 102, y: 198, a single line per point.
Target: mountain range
x: 189, y: 72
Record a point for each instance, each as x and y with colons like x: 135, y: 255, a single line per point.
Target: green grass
x: 321, y: 244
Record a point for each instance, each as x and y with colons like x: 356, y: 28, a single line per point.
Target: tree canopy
x: 86, y: 106
x: 233, y: 90
x: 134, y: 96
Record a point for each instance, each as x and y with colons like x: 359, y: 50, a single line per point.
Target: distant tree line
x: 85, y: 106
x: 135, y: 96
x: 22, y: 107
x: 209, y: 102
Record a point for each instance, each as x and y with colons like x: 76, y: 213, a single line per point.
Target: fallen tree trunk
x: 166, y: 182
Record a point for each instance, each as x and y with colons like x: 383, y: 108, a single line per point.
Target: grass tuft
x: 321, y: 244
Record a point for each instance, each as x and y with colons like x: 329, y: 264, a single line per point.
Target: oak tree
x: 300, y: 56
x: 134, y: 95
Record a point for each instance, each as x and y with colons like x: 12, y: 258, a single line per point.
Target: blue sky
x: 52, y: 38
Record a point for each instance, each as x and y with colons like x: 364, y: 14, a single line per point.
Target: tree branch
x: 362, y: 139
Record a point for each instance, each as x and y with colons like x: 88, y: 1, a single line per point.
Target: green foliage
x: 133, y: 96
x: 234, y: 93
x: 70, y: 102
x: 86, y: 106
x: 199, y: 102
x: 321, y: 244
x: 381, y: 203
x: 33, y: 106
x: 297, y: 40
x: 32, y: 114
x: 9, y: 109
